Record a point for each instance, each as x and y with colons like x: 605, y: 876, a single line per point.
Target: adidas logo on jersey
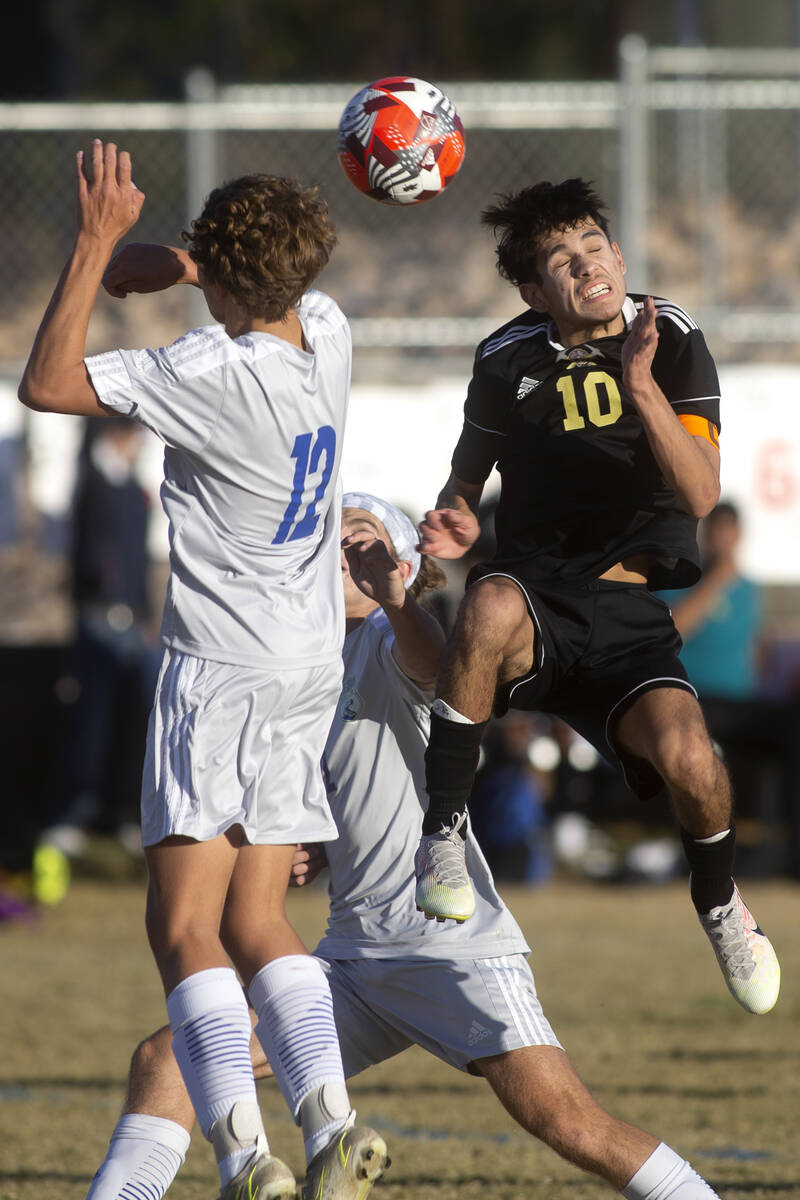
x: 477, y: 1033
x: 526, y: 386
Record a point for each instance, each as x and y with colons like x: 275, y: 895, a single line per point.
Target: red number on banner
x: 776, y: 474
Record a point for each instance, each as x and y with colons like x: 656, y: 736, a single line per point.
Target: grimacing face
x: 581, y: 283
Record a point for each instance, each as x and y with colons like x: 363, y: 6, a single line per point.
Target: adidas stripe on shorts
x: 229, y: 745
x: 459, y: 1009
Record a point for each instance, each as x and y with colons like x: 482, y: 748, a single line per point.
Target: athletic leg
x: 492, y: 642
x: 291, y: 997
x: 665, y: 726
x: 151, y: 1138
x: 538, y: 1086
x: 207, y: 1009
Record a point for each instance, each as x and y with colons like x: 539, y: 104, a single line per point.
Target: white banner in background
x: 400, y: 439
x: 760, y: 446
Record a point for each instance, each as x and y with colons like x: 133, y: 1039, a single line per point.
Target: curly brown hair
x: 429, y: 578
x: 264, y: 238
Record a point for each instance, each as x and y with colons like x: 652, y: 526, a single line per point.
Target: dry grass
x: 624, y: 975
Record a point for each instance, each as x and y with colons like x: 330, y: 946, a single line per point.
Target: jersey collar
x: 628, y: 311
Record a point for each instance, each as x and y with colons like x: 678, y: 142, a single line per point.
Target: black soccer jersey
x: 581, y: 488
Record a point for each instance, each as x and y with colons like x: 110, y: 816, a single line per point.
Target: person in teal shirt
x: 720, y: 618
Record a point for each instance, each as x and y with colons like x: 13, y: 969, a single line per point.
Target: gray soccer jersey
x: 374, y: 769
x: 253, y: 430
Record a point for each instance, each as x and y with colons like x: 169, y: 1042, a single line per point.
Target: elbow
x: 39, y: 397
x: 701, y: 497
x: 705, y: 501
x: 29, y: 396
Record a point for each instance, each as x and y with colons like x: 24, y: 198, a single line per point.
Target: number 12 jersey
x: 252, y: 428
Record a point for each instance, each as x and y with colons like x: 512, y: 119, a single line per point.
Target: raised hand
x: 640, y: 346
x: 372, y: 568
x: 449, y: 532
x: 144, y: 267
x: 109, y: 202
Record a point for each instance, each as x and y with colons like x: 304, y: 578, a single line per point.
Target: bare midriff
x: 629, y: 570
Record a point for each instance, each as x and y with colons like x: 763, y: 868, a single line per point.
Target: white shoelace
x: 729, y: 935
x: 446, y: 851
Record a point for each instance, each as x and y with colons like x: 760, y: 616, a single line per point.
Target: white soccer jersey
x: 374, y: 769
x: 253, y: 430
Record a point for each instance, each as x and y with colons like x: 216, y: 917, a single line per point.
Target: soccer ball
x: 401, y: 140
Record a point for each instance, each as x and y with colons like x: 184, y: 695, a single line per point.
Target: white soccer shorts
x: 230, y: 745
x: 458, y: 1009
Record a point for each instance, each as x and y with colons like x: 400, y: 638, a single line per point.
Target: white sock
x: 211, y: 1042
x: 143, y: 1158
x: 443, y: 709
x: 296, y: 1028
x: 667, y: 1176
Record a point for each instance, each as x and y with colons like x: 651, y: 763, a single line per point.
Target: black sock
x: 711, y: 864
x: 451, y: 761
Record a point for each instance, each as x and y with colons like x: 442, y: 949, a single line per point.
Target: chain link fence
x: 697, y: 155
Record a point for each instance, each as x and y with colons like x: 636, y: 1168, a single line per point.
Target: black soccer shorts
x: 599, y: 646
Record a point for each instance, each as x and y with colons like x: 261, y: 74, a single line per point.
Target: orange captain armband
x: 700, y: 427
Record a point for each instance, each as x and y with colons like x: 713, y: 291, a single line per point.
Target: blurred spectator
x: 720, y: 618
x: 507, y: 807
x: 116, y: 652
x: 720, y: 621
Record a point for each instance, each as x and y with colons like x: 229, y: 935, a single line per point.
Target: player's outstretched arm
x: 449, y: 530
x: 145, y: 267
x: 55, y: 378
x: 689, y: 464
x: 418, y: 637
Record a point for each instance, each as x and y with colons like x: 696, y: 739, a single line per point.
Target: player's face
x: 355, y: 520
x: 581, y: 283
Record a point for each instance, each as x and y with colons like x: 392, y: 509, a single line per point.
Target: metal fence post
x: 201, y: 167
x: 633, y: 189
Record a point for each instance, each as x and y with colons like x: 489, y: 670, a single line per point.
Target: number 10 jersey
x: 581, y: 488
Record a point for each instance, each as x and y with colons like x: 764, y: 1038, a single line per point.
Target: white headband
x: 402, y: 533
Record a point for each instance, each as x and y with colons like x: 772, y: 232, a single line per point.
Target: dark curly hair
x: 264, y: 239
x: 523, y: 219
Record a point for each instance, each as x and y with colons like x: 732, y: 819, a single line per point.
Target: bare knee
x: 175, y: 927
x: 686, y: 761
x: 155, y: 1085
x: 492, y: 627
x: 151, y: 1055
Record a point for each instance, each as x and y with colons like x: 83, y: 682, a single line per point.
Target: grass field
x: 625, y: 976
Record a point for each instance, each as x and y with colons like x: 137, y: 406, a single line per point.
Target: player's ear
x: 620, y: 259
x: 532, y: 295
x: 404, y: 568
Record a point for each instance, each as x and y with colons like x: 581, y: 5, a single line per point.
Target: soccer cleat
x: 263, y: 1177
x: 443, y: 886
x: 744, y: 953
x: 348, y: 1166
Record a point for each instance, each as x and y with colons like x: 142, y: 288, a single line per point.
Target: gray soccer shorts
x: 458, y: 1009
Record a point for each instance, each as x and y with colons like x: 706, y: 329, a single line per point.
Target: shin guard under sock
x: 451, y: 761
x: 711, y: 865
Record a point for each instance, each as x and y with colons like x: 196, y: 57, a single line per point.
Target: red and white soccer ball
x: 401, y: 140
